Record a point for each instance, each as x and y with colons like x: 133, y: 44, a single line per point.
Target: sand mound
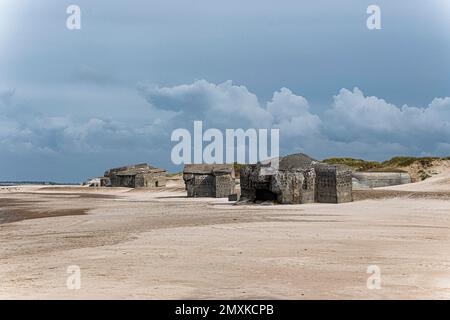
x: 424, y: 169
x: 438, y: 183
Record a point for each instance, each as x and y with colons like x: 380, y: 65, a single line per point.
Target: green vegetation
x: 356, y: 164
x: 388, y: 165
x: 407, y: 161
x: 423, y: 175
x: 170, y: 175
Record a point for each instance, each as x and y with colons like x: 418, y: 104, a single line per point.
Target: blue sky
x: 75, y: 102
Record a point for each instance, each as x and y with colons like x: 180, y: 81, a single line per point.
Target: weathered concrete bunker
x: 333, y: 183
x: 209, y: 180
x: 284, y: 186
x: 136, y: 176
x: 379, y: 179
x: 299, y: 179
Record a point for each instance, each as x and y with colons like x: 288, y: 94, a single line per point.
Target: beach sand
x: 158, y: 244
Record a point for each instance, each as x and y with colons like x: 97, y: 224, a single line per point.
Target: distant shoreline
x: 34, y: 183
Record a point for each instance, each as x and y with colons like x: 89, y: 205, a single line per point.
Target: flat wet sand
x: 161, y: 245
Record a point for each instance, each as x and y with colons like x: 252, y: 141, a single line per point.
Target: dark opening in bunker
x: 264, y: 195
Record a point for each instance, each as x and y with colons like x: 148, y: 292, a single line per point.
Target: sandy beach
x: 136, y: 243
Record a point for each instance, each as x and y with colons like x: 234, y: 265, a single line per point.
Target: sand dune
x: 437, y: 183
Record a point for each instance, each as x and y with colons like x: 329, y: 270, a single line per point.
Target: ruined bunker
x: 299, y: 179
x: 209, y: 180
x: 135, y: 176
x: 333, y: 183
x: 364, y: 180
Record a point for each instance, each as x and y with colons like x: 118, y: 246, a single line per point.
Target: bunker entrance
x: 265, y: 195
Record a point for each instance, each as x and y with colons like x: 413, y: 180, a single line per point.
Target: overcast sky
x: 76, y: 102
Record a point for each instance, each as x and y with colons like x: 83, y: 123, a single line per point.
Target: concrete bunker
x: 299, y: 179
x: 209, y: 180
x: 333, y: 183
x: 136, y: 176
x: 364, y: 180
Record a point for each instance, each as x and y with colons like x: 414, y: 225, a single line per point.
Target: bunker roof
x: 209, y: 169
x: 303, y: 162
x: 132, y: 170
x: 296, y: 161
